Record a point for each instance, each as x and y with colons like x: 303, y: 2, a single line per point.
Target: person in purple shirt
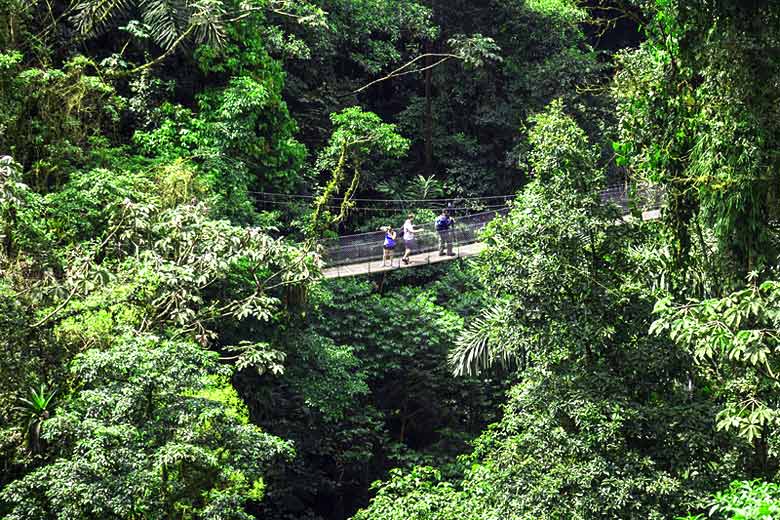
x: 388, y: 246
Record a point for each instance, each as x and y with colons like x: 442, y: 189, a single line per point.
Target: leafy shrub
x: 744, y: 500
x: 150, y: 432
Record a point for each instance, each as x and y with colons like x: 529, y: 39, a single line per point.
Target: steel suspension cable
x: 400, y: 201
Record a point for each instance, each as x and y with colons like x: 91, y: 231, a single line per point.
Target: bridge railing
x: 367, y: 247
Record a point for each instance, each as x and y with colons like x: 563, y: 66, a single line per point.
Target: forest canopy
x: 173, y: 171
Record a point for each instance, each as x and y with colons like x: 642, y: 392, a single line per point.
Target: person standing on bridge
x: 410, y: 243
x: 388, y: 246
x: 444, y: 224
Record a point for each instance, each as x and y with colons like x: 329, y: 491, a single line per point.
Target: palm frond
x: 92, y: 17
x: 484, y: 343
x: 208, y: 19
x: 424, y: 188
x: 168, y: 19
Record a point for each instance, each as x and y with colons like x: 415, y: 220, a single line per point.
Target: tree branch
x: 252, y: 10
x: 400, y: 70
x: 161, y: 57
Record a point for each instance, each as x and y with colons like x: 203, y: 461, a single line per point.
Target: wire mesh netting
x: 366, y: 248
x: 643, y: 197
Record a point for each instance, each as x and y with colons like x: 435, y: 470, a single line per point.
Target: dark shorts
x: 411, y: 244
x: 388, y: 248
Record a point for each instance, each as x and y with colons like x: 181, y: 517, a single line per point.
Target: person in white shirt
x: 409, y: 241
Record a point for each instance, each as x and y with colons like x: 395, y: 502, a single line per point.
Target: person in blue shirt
x: 388, y: 246
x: 444, y: 224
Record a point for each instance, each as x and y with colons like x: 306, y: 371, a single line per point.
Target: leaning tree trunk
x: 428, y: 122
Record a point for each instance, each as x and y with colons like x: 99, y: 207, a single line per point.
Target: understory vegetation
x: 170, y: 171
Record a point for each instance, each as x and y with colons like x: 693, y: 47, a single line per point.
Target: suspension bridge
x: 361, y: 254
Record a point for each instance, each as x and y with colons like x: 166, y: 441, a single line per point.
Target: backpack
x: 443, y: 223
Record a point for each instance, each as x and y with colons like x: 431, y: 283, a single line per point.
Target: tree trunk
x: 428, y: 123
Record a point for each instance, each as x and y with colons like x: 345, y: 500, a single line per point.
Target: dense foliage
x: 168, y: 169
